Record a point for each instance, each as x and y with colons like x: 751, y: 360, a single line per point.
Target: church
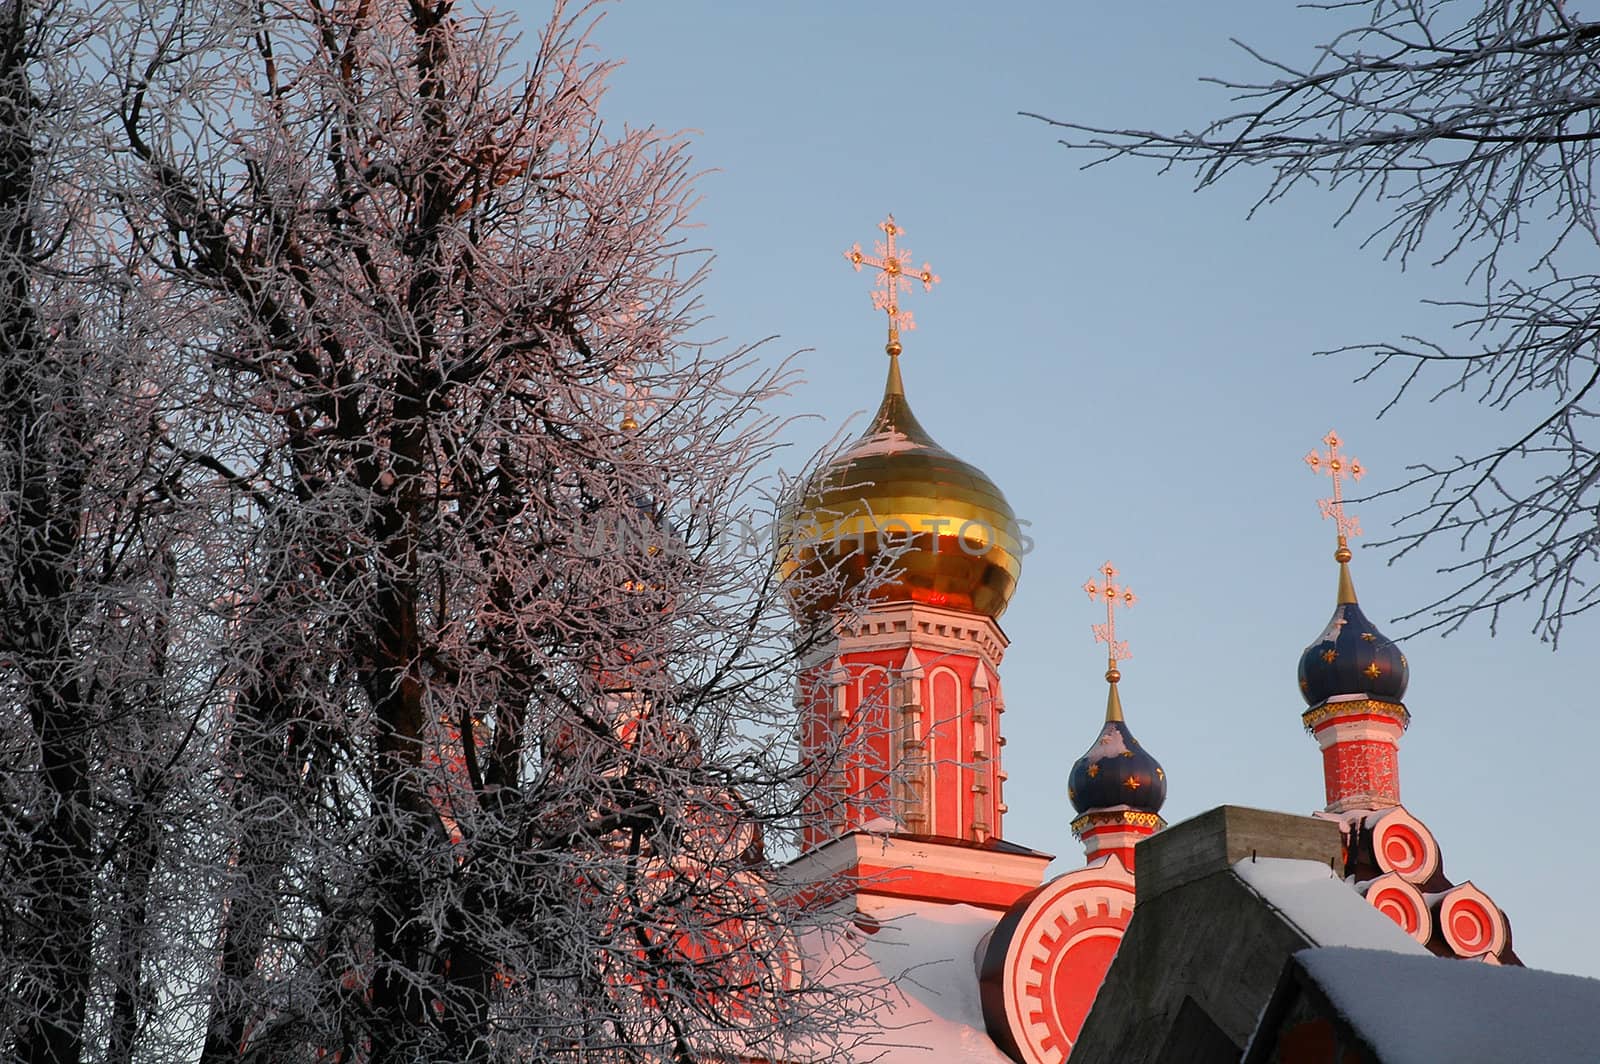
x: 1240, y: 934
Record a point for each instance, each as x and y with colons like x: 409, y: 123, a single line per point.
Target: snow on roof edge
x: 1322, y: 907
x: 1422, y: 1010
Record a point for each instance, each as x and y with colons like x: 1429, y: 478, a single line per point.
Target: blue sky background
x: 1130, y: 361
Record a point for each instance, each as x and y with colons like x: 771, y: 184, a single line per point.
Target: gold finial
x: 894, y: 268
x: 630, y: 401
x: 1114, y: 595
x: 1338, y: 465
x: 626, y: 325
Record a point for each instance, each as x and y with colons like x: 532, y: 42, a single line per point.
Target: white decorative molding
x: 929, y: 628
x: 888, y: 866
x: 1368, y: 730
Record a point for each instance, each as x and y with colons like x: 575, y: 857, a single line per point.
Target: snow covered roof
x: 1422, y: 1010
x: 1322, y: 906
x: 929, y: 1011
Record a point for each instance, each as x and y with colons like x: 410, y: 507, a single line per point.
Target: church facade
x: 901, y: 713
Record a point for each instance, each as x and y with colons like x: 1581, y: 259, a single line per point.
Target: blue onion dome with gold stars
x: 1116, y: 772
x: 1351, y: 657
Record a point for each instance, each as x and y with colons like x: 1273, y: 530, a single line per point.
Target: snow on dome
x: 1117, y: 773
x: 880, y: 443
x: 1351, y: 657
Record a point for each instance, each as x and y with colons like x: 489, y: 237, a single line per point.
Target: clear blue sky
x: 1130, y: 361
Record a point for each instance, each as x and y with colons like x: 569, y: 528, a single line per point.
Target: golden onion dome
x: 895, y: 484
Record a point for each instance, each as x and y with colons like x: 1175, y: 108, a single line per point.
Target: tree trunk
x: 46, y: 474
x: 263, y: 745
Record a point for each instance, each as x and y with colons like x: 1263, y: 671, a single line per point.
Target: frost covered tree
x: 393, y: 670
x: 93, y: 733
x: 1474, y: 128
x: 506, y: 683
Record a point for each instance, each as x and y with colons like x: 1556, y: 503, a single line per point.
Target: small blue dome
x: 1117, y: 773
x: 1352, y: 657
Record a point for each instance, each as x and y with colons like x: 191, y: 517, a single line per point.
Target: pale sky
x: 1131, y: 363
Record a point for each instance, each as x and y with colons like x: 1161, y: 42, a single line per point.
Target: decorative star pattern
x: 1358, y: 659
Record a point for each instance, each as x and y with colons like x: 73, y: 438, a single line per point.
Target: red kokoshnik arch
x: 1041, y: 966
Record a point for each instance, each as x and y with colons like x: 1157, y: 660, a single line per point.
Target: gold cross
x: 1337, y: 465
x: 894, y: 268
x: 1114, y: 595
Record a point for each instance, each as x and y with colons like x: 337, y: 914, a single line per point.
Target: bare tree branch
x: 1476, y: 129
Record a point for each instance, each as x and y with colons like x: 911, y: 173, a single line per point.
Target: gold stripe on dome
x: 1124, y: 817
x: 1360, y: 706
x: 980, y: 525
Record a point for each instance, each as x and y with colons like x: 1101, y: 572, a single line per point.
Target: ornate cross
x: 1337, y: 465
x: 894, y: 269
x: 1114, y: 595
